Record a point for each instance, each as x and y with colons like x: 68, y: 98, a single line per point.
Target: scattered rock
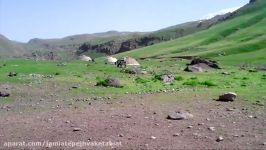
x: 121, y: 135
x: 176, y: 134
x: 197, y: 68
x: 128, y: 116
x: 225, y: 73
x: 112, y: 82
x: 12, y: 74
x: 250, y: 116
x: 168, y: 78
x: 76, y: 129
x: 264, y: 143
x: 189, y: 127
x: 211, y: 128
x: 230, y: 96
x: 179, y: 116
x: 75, y: 86
x: 229, y: 109
x: 219, y: 139
x: 4, y: 94
x: 135, y: 70
x: 153, y: 137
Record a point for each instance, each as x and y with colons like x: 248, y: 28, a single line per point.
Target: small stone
x: 189, y: 127
x: 153, y: 137
x: 121, y: 135
x: 250, y: 116
x: 235, y: 135
x: 264, y: 143
x: 75, y: 86
x: 128, y: 116
x: 225, y: 73
x: 208, y: 119
x: 179, y: 116
x: 219, y: 139
x: 211, y: 128
x: 176, y: 134
x: 76, y: 129
x: 67, y: 121
x: 229, y: 109
x: 200, y: 124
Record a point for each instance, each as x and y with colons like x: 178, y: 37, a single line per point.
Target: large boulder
x: 228, y: 97
x: 197, y: 67
x: 113, y: 82
x: 168, y: 78
x: 210, y: 63
x: 201, y: 64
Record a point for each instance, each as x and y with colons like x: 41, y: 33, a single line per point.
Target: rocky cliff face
x: 113, y: 47
x: 252, y: 1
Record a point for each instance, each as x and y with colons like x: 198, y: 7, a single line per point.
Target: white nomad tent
x: 131, y: 61
x: 110, y: 60
x: 85, y: 58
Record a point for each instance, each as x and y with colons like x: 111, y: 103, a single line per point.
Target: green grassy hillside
x: 238, y: 40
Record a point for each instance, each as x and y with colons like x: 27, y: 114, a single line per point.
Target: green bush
x: 57, y: 73
x: 179, y: 78
x: 101, y: 82
x: 208, y: 83
x: 196, y: 82
x: 263, y: 77
x: 157, y: 77
x: 193, y: 78
x: 141, y: 80
x: 245, y: 78
x: 191, y: 83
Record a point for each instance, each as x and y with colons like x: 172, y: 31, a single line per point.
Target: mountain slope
x: 117, y: 46
x: 241, y: 36
x: 10, y: 48
x: 75, y: 41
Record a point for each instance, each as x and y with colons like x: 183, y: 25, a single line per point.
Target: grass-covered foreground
x: 248, y: 83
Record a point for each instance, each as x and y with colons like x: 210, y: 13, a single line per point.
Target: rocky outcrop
x: 201, y: 64
x: 227, y: 97
x: 113, y: 47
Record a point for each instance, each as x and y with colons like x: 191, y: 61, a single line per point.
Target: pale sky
x: 22, y: 20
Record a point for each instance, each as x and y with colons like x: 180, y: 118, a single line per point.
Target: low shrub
x: 179, y: 78
x: 101, y: 82
x: 57, y: 73
x: 157, y: 77
x: 208, y: 83
x: 140, y: 80
x: 191, y: 82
